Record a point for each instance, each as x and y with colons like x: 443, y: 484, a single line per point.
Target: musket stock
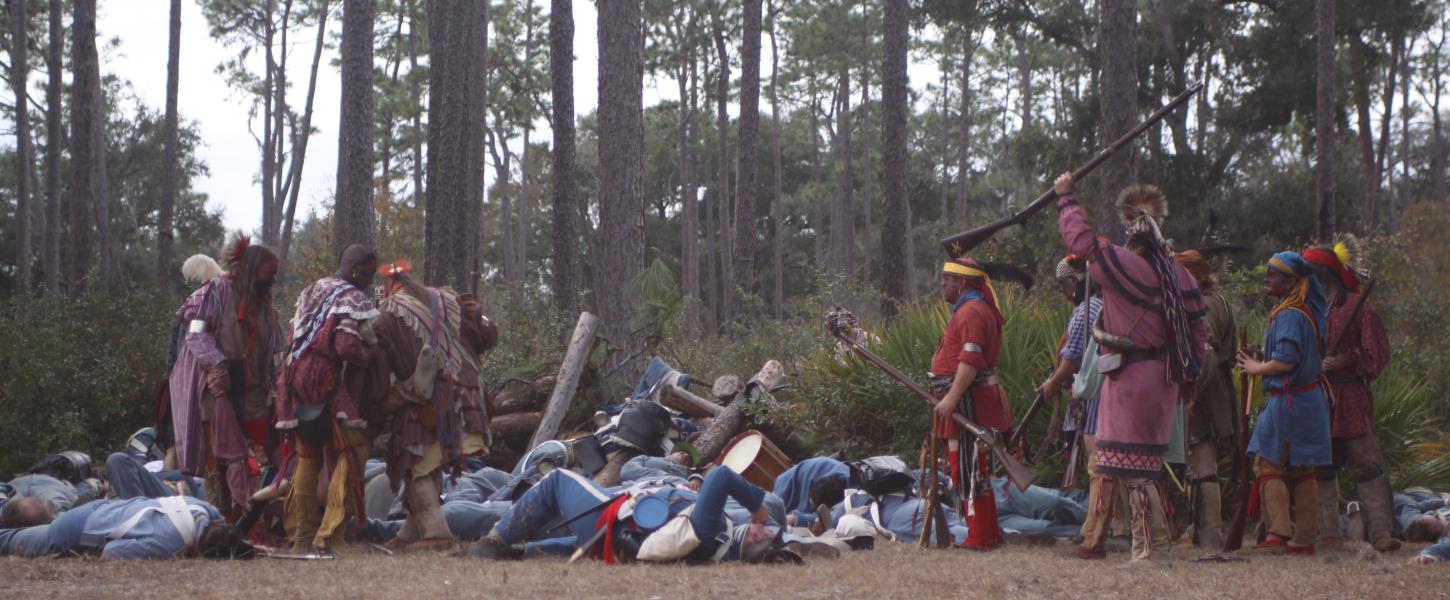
x: 1020, y: 475
x: 962, y: 243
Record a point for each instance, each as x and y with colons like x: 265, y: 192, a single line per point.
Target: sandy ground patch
x: 891, y: 571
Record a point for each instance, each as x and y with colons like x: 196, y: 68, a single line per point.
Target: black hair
x: 827, y: 491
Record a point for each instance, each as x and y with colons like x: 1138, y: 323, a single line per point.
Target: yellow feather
x: 1341, y: 250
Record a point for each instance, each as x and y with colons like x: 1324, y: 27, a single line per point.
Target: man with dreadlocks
x: 329, y: 333
x: 1151, y: 339
x: 1209, y: 404
x: 1291, y: 436
x: 964, y: 368
x: 1361, y: 352
x: 432, y: 339
x: 222, y: 381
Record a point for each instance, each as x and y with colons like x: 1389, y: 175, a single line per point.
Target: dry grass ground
x: 890, y: 571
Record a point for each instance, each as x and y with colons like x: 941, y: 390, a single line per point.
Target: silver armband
x: 196, y: 326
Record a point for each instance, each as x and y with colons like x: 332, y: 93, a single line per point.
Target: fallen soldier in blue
x: 565, y: 494
x: 139, y: 528
x: 1038, y: 511
x: 809, y: 485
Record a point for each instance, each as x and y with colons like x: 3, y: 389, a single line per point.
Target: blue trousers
x: 60, y: 536
x: 709, y: 519
x: 561, y: 493
x: 129, y: 479
x: 467, y: 520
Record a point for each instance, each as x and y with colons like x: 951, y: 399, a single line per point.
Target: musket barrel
x: 962, y: 243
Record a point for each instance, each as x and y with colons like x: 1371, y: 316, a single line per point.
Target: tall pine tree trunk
x: 475, y: 40
x: 24, y: 154
x: 1118, y: 102
x: 54, y: 143
x: 106, y: 259
x: 415, y: 89
x: 352, y: 219
x: 566, y: 192
x: 454, y: 135
x: 1324, y: 121
x: 621, y: 148
x: 747, y: 175
x: 843, y: 219
x: 964, y: 136
x: 83, y: 155
x: 523, y: 209
x: 819, y: 207
x: 722, y: 195
x: 777, y: 211
x: 895, y: 262
x: 301, y: 137
x: 867, y: 195
x: 165, y: 234
x: 689, y: 207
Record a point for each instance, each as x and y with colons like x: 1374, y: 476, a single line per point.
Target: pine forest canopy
x: 755, y: 149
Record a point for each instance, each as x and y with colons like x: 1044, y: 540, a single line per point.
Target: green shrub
x: 79, y: 374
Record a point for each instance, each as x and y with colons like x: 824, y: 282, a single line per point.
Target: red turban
x: 1330, y: 259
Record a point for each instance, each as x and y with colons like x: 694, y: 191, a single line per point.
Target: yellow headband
x: 956, y: 268
x: 1282, y: 267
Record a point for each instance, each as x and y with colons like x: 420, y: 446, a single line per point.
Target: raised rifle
x: 1235, y: 538
x: 1019, y: 431
x: 962, y: 243
x: 1353, y: 316
x: 1019, y: 475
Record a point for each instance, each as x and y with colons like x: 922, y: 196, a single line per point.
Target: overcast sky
x: 229, y: 149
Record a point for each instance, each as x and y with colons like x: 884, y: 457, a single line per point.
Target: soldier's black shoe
x: 492, y: 547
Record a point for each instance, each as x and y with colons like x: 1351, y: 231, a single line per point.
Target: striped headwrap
x: 1307, y: 295
x: 972, y: 270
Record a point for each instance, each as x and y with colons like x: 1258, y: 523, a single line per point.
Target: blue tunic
x: 1299, y: 418
x: 794, y: 485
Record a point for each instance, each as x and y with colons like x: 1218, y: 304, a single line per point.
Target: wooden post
x: 569, y: 372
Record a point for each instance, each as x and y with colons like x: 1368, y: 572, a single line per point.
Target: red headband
x: 1328, y: 260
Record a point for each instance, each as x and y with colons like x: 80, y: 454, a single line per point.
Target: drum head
x: 743, y: 452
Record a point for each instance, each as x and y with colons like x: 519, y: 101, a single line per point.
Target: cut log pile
x: 528, y: 412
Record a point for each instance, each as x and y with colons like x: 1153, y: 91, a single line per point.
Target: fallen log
x: 507, y: 405
x: 516, y: 425
x: 733, y: 417
x: 568, y: 380
x: 691, y: 405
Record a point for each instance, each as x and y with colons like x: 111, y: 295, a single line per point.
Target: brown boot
x: 1306, y: 511
x: 1378, y: 511
x: 1101, y: 494
x: 425, y: 516
x: 301, y: 511
x: 1330, y: 538
x: 1147, y: 519
x: 1210, y: 519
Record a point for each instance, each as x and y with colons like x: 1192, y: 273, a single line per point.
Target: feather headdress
x: 236, y: 248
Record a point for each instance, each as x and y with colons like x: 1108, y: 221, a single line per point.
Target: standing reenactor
x: 1210, y: 405
x: 1291, y: 436
x: 1151, y: 338
x: 330, y: 331
x: 963, y: 375
x: 1360, y: 352
x: 221, y: 384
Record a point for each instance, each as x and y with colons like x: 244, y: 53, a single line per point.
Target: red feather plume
x: 236, y: 248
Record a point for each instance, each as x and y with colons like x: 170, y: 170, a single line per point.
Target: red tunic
x: 1367, y: 349
x: 974, y: 336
